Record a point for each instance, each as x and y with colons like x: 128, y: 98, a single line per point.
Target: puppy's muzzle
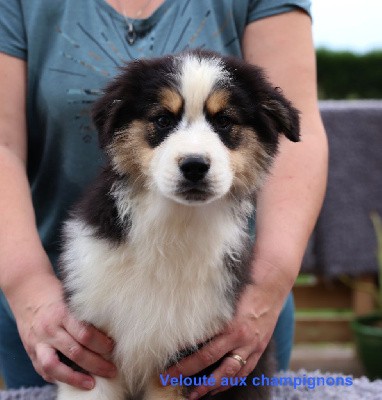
x: 194, y: 168
x: 195, y: 186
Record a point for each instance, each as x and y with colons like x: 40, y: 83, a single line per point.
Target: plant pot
x: 368, y: 339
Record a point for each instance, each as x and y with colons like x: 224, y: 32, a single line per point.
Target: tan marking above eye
x: 217, y: 101
x: 171, y: 100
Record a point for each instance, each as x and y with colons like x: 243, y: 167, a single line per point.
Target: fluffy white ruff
x: 165, y: 288
x: 104, y: 389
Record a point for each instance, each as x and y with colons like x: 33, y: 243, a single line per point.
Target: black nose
x: 194, y: 168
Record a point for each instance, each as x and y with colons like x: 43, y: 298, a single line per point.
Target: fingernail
x: 88, y: 384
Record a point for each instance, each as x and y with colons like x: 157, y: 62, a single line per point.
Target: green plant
x: 346, y: 75
x: 377, y: 222
x: 373, y: 290
x: 367, y: 328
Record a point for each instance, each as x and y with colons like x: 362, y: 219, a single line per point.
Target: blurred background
x: 348, y: 38
x: 339, y: 278
x: 340, y: 284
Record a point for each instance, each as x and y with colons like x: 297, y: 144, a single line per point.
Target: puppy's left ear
x: 282, y: 115
x: 276, y: 115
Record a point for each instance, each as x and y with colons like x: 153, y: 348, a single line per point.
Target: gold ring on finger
x: 238, y: 358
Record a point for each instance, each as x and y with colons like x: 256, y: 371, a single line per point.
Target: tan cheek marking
x: 130, y: 153
x: 171, y: 100
x: 250, y: 162
x: 217, y: 101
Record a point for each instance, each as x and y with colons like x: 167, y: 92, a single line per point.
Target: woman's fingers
x: 48, y: 328
x: 89, y: 336
x: 88, y: 360
x: 54, y: 330
x: 247, y: 336
x: 210, y: 353
x: 229, y: 368
x: 48, y: 365
x: 244, y: 371
x: 220, y: 348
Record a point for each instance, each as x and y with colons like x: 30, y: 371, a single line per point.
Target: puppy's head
x: 193, y: 127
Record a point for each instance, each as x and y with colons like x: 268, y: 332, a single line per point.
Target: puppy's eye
x: 222, y: 123
x: 161, y: 127
x: 227, y: 127
x: 164, y: 122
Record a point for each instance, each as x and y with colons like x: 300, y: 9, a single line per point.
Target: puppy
x: 158, y: 251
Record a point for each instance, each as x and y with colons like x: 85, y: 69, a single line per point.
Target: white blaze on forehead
x: 197, y: 79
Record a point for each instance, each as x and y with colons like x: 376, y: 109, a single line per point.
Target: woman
x: 55, y: 57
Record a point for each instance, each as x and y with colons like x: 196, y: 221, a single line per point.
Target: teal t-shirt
x: 73, y: 48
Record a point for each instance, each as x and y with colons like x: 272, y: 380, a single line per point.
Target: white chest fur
x: 162, y: 290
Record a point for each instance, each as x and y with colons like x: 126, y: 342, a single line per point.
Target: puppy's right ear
x: 105, y: 113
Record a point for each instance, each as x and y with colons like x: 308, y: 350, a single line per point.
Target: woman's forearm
x: 22, y: 256
x: 291, y: 199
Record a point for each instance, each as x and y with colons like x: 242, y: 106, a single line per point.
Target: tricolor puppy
x: 158, y: 252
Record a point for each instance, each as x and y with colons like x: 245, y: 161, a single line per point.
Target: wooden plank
x: 323, y: 295
x: 362, y: 298
x: 322, y: 330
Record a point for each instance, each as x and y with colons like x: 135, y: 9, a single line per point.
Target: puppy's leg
x: 156, y: 391
x: 105, y: 389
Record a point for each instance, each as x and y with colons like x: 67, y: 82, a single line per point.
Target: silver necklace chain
x: 131, y: 34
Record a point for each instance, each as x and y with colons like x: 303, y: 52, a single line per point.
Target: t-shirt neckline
x: 141, y: 23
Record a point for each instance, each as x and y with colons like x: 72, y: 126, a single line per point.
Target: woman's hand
x: 247, y: 336
x: 26, y: 275
x: 46, y: 326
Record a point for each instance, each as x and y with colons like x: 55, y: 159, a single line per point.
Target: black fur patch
x: 132, y: 95
x: 98, y: 209
x: 67, y: 361
x: 263, y: 106
x: 240, y: 269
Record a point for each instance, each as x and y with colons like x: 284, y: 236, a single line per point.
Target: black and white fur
x: 158, y: 252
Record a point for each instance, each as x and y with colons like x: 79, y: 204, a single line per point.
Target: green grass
x: 305, y: 280
x: 325, y: 313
